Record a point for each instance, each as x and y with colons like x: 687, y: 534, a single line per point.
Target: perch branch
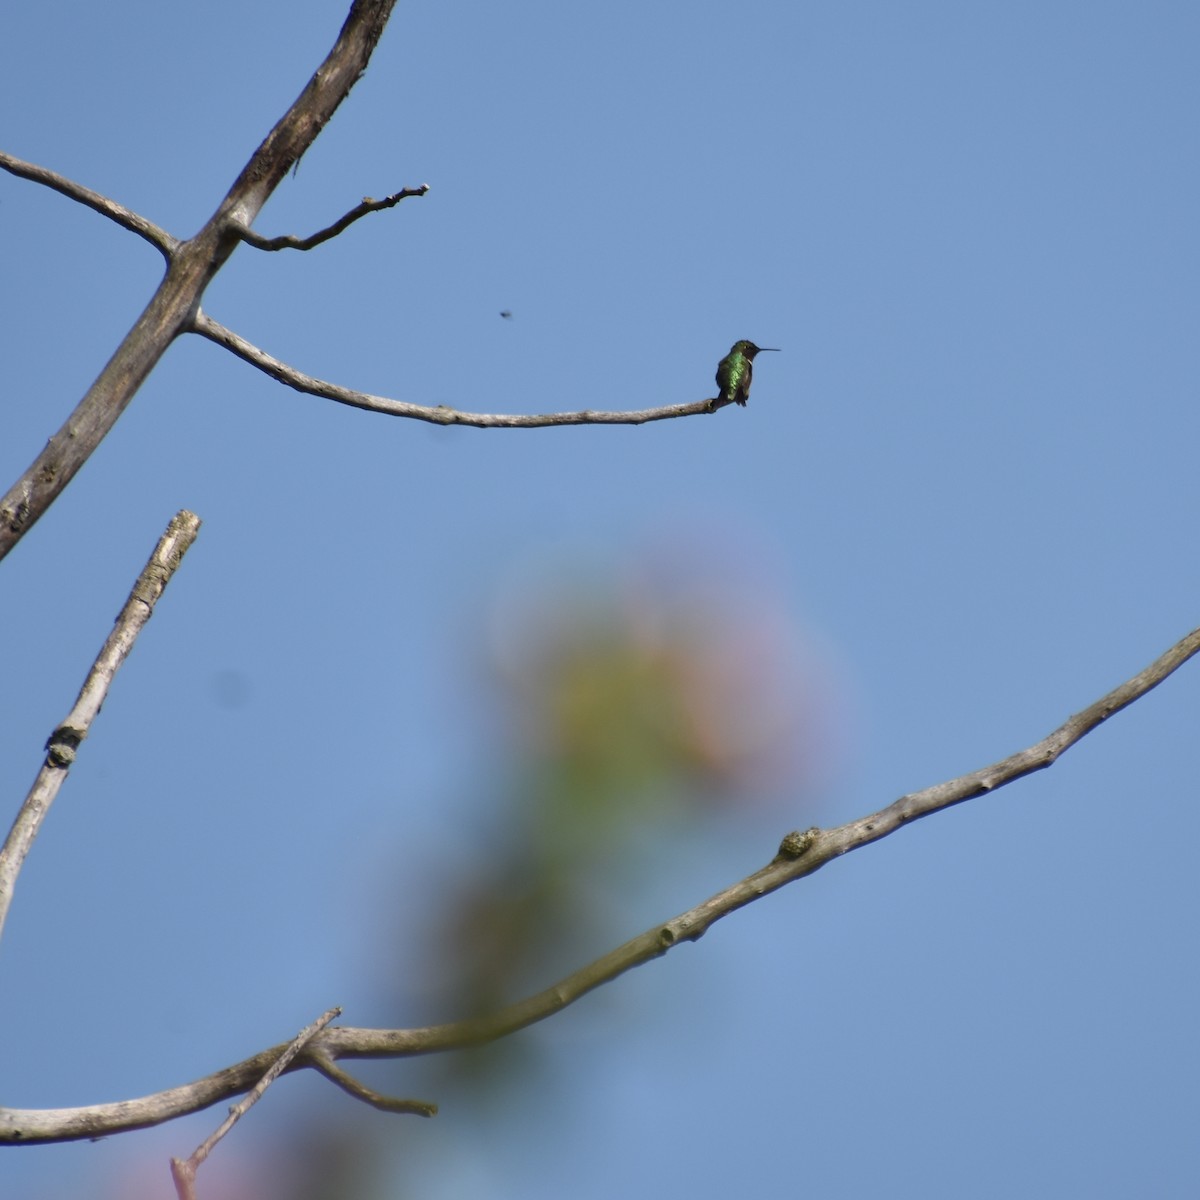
x: 290, y: 242
x: 65, y: 740
x: 440, y: 414
x: 799, y: 854
x: 160, y: 239
x: 183, y: 1171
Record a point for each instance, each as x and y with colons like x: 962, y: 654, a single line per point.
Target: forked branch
x: 183, y: 1170
x: 191, y: 266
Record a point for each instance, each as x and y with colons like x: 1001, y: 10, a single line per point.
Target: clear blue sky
x: 970, y: 479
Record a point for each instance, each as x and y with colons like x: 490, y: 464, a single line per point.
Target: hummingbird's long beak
x: 773, y: 349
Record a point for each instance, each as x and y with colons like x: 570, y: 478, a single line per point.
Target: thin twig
x: 799, y: 854
x: 290, y: 242
x: 184, y: 1171
x: 439, y: 414
x: 64, y: 741
x: 359, y: 1090
x: 160, y: 239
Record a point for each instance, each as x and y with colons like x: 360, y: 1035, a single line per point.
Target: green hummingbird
x: 735, y: 371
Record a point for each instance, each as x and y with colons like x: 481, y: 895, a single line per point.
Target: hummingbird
x: 735, y: 371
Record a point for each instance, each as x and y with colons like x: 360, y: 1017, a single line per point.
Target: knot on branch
x: 62, y: 744
x: 796, y: 843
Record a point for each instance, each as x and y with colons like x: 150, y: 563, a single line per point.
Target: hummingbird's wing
x: 723, y: 376
x: 743, y: 388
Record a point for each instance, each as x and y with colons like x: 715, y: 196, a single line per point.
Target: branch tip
x: 291, y: 242
x: 354, y: 1087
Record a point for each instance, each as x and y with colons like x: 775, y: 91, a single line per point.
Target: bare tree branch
x: 289, y: 242
x: 799, y: 854
x: 65, y: 740
x: 160, y: 239
x: 183, y: 1171
x: 191, y: 267
x: 440, y: 414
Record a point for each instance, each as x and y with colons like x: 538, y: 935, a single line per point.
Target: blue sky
x: 969, y: 481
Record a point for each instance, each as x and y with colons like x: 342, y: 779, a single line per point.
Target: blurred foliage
x: 633, y: 704
x: 636, y: 703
